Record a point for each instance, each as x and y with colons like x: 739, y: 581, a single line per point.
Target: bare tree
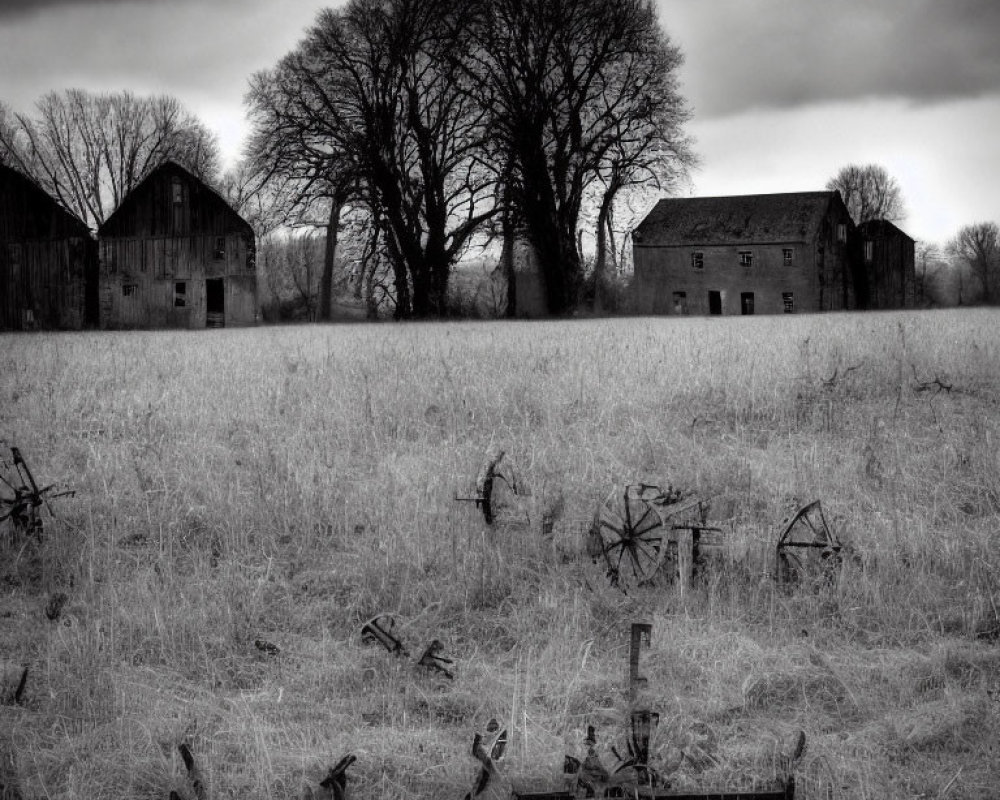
x: 379, y: 84
x: 578, y: 90
x: 293, y: 156
x: 869, y: 192
x: 90, y: 150
x: 978, y: 247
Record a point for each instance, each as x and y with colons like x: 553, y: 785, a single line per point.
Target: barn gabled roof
x: 740, y: 219
x: 167, y: 166
x: 68, y: 222
x: 881, y: 229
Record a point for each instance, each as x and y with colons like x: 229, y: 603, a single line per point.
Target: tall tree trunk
x: 507, y: 258
x: 330, y: 258
x: 430, y: 288
x: 601, y: 257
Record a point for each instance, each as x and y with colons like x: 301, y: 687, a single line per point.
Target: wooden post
x: 685, y: 560
x: 640, y: 631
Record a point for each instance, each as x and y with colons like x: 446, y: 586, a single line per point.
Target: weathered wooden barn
x: 175, y: 254
x: 48, y: 260
x: 749, y: 254
x: 886, y: 259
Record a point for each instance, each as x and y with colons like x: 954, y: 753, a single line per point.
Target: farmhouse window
x: 746, y: 303
x: 698, y: 259
x: 788, y: 302
x: 869, y: 251
x: 841, y: 232
x: 129, y: 289
x: 180, y: 294
x: 787, y: 253
x: 746, y: 258
x: 220, y: 248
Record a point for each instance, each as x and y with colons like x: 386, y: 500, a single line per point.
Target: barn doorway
x: 715, y: 303
x: 746, y: 303
x: 215, y: 303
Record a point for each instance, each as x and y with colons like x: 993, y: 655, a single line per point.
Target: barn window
x: 788, y: 302
x: 842, y: 232
x: 869, y: 251
x: 746, y: 258
x: 787, y: 254
x: 180, y: 294
x: 698, y: 260
x: 177, y: 191
x: 220, y: 248
x: 680, y: 303
x: 129, y: 289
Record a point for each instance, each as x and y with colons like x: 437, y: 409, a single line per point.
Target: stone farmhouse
x: 175, y: 255
x: 766, y: 254
x: 48, y: 260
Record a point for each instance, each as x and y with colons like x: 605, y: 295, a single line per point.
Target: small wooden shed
x: 176, y: 255
x: 48, y: 260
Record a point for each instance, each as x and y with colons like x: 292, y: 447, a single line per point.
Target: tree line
x: 421, y: 129
x: 491, y: 118
x: 439, y: 123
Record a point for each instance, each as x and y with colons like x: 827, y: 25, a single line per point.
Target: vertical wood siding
x: 47, y: 257
x: 174, y: 230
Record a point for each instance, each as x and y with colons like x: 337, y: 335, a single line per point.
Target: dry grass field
x: 286, y: 484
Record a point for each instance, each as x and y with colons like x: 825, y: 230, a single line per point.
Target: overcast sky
x: 784, y: 92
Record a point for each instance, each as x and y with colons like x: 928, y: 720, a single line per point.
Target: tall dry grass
x: 286, y: 484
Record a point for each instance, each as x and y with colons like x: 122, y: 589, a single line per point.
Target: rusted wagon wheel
x: 807, y: 547
x: 630, y: 532
x: 496, y: 487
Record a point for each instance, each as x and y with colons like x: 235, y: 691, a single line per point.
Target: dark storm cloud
x: 746, y: 54
x: 23, y: 8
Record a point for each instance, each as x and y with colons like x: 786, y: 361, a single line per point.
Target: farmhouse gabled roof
x: 740, y: 219
x: 112, y: 222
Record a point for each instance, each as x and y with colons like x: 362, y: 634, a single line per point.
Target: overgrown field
x: 286, y: 484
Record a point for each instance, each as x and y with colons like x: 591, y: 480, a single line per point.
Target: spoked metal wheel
x: 630, y: 532
x: 807, y: 546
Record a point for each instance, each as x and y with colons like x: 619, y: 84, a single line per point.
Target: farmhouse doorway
x: 715, y: 303
x: 746, y: 303
x: 215, y: 303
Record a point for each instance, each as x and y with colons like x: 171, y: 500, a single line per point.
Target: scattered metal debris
x: 334, y: 785
x: 379, y: 630
x: 434, y: 661
x: 194, y: 774
x: 16, y: 697
x: 487, y: 757
x: 633, y: 776
x: 640, y: 528
x: 53, y: 609
x: 266, y: 647
x: 806, y: 546
x: 23, y: 509
x: 940, y: 383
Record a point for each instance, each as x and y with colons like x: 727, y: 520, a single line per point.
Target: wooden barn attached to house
x: 175, y: 255
x: 886, y: 258
x: 48, y: 260
x: 749, y: 254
